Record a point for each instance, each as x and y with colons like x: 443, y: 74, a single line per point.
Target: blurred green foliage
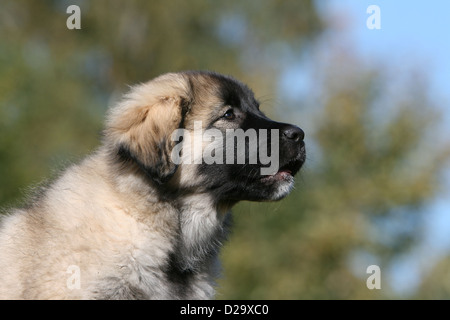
x: 358, y: 200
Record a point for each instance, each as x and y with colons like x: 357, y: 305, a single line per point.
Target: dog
x: 136, y: 220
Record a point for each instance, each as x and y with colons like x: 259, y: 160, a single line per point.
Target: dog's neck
x: 203, y: 228
x: 202, y: 223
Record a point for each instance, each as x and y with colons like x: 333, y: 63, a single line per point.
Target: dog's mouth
x: 286, y: 172
x: 292, y: 167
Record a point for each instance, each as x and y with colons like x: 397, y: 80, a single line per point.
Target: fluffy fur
x: 131, y: 221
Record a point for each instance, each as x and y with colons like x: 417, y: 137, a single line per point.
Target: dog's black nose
x: 293, y: 133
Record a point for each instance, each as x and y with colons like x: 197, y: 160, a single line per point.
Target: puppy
x: 145, y: 215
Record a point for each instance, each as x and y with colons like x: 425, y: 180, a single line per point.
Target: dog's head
x: 204, y: 132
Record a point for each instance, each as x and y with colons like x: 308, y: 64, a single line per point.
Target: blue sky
x: 412, y: 31
x: 416, y: 34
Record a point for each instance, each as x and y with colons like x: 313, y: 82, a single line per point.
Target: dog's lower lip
x: 285, y: 171
x: 283, y: 174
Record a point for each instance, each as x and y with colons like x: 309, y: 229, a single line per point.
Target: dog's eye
x: 229, y: 115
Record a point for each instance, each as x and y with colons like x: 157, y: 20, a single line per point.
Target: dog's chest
x: 144, y: 280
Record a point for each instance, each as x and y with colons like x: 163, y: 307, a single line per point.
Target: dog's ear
x: 139, y: 129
